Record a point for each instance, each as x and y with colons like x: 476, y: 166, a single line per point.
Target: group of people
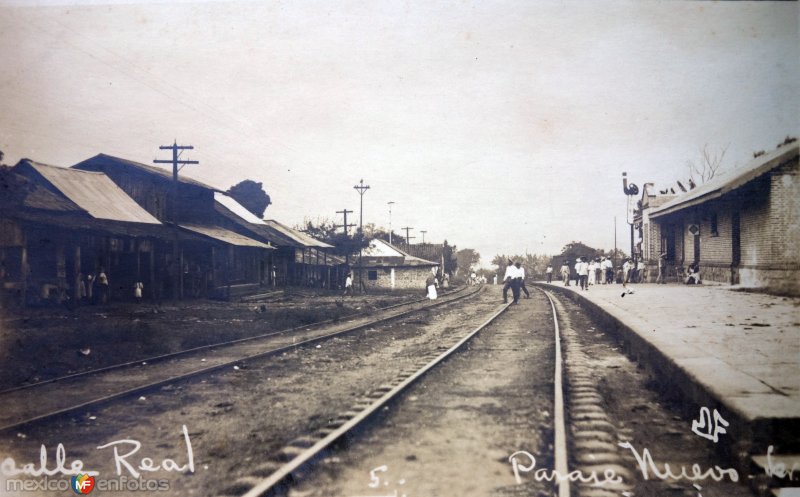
x: 600, y: 270
x: 588, y: 272
x: 514, y: 279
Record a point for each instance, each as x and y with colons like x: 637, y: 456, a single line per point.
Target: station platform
x: 738, y: 352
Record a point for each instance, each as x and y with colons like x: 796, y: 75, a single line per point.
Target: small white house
x: 386, y: 266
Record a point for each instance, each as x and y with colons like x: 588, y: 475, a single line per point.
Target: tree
x: 468, y: 259
x: 325, y: 230
x: 450, y: 260
x: 372, y: 231
x: 251, y: 195
x: 710, y: 163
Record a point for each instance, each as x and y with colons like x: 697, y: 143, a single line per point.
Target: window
x: 714, y: 231
x: 372, y: 275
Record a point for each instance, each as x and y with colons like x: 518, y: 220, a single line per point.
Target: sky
x: 500, y: 126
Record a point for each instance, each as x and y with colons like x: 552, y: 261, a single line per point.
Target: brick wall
x: 769, y: 221
x: 410, y: 278
x: 784, y: 214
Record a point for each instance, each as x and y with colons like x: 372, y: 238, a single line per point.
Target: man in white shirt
x: 510, y: 274
x: 521, y: 277
x: 583, y: 273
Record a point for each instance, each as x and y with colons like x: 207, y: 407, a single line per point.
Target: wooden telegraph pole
x: 361, y: 188
x: 408, y: 238
x: 177, y: 253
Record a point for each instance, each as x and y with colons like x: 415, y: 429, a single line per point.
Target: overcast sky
x: 500, y: 126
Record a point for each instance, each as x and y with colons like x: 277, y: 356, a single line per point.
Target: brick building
x: 386, y: 266
x: 742, y: 228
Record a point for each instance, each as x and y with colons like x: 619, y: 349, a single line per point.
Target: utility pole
x: 423, y: 235
x: 390, y: 221
x: 345, y: 225
x: 177, y: 253
x: 175, y: 147
x: 408, y: 238
x: 361, y: 188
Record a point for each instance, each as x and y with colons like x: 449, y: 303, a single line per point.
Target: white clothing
x: 432, y: 292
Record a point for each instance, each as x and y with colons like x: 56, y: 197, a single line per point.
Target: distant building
x: 385, y: 266
x: 299, y: 259
x: 741, y: 229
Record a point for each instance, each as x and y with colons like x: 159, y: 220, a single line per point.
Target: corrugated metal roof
x: 100, y: 160
x: 736, y: 179
x: 235, y: 207
x: 226, y: 236
x: 298, y: 237
x: 93, y: 192
x: 381, y: 252
x: 78, y: 221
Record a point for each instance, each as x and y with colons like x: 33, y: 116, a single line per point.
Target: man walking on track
x: 521, y: 276
x: 510, y: 272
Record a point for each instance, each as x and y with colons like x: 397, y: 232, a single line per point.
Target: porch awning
x: 225, y: 236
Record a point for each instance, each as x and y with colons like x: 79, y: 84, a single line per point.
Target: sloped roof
x: 101, y: 160
x: 93, y: 192
x: 736, y: 179
x: 297, y: 237
x: 236, y: 208
x: 381, y: 252
x: 226, y: 236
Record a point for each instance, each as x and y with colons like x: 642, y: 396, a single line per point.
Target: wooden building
x: 215, y: 261
x: 58, y: 226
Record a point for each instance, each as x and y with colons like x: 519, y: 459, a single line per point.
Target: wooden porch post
x: 153, y: 270
x: 76, y: 288
x: 24, y: 270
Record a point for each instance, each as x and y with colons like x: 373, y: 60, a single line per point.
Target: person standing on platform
x: 521, y: 276
x: 592, y: 272
x: 627, y: 271
x: 549, y: 273
x: 662, y: 269
x: 583, y: 273
x: 607, y: 272
x: 565, y: 273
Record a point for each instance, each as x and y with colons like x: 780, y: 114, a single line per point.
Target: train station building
x: 741, y: 229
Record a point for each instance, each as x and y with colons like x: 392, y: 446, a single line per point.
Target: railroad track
x: 295, y: 461
x: 135, y: 377
x: 275, y: 475
x: 172, y: 355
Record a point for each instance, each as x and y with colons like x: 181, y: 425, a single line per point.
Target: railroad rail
x: 172, y: 355
x: 8, y: 421
x: 271, y: 477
